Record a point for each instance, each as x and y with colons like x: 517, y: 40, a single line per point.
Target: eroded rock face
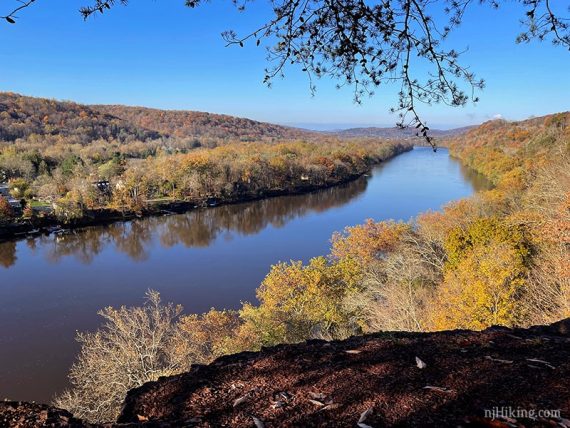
x: 458, y: 378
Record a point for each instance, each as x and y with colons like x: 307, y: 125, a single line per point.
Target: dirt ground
x: 376, y: 381
x: 448, y: 379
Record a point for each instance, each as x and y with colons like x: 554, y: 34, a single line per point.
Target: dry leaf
x: 353, y: 351
x: 278, y: 404
x: 437, y: 388
x: 498, y: 360
x: 420, y: 363
x: 330, y: 406
x: 142, y: 418
x: 258, y: 423
x: 546, y: 363
x: 364, y: 415
x: 316, y: 403
x: 240, y: 400
x: 318, y: 396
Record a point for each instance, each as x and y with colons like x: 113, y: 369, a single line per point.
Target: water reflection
x: 197, y: 228
x: 8, y: 254
x: 477, y: 180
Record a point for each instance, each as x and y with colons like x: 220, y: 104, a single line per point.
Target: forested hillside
x: 500, y: 148
x: 26, y: 117
x: 194, y: 124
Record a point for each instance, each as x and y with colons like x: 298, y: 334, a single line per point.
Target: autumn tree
x: 484, y: 289
x: 369, y: 241
x: 6, y: 211
x: 298, y: 302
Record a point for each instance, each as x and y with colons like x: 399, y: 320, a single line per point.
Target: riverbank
x: 98, y: 217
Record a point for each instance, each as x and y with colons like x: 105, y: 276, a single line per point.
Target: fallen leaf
x: 330, y: 406
x: 142, y: 418
x: 420, y: 363
x: 514, y: 337
x: 498, y: 360
x: 364, y: 415
x: 353, y: 351
x: 258, y: 423
x: 317, y: 396
x: 437, y: 388
x: 240, y: 400
x: 316, y: 402
x: 278, y: 404
x: 546, y: 363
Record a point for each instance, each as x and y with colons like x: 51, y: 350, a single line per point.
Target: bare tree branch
x: 11, y: 17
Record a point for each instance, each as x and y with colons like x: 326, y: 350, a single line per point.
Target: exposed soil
x: 333, y: 384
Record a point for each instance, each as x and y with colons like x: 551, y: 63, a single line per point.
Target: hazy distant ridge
x: 398, y: 133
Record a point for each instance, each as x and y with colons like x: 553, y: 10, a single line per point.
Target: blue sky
x: 165, y: 55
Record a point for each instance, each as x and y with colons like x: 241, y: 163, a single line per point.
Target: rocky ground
x: 390, y: 379
x: 23, y: 415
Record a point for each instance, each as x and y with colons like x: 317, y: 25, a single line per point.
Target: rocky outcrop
x: 459, y: 378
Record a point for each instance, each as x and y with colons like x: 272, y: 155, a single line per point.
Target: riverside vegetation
x: 67, y: 162
x: 500, y: 257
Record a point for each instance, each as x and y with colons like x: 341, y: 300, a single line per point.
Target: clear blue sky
x: 162, y: 54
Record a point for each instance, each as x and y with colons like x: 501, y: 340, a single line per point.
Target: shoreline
x: 105, y: 216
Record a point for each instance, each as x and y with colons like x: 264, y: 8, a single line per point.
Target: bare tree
x: 366, y: 45
x: 395, y: 292
x: 134, y: 346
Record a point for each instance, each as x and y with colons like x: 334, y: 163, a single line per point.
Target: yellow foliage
x: 368, y: 241
x: 483, y: 290
x: 211, y: 334
x: 298, y: 301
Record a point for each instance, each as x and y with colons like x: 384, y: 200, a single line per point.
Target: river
x: 50, y: 286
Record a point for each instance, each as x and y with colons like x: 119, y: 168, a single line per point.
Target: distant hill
x: 179, y: 123
x: 395, y: 133
x: 22, y: 117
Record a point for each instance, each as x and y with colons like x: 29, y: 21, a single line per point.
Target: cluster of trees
x: 500, y: 257
x: 228, y: 172
x: 22, y: 117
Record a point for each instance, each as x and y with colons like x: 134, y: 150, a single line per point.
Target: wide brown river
x: 50, y: 286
